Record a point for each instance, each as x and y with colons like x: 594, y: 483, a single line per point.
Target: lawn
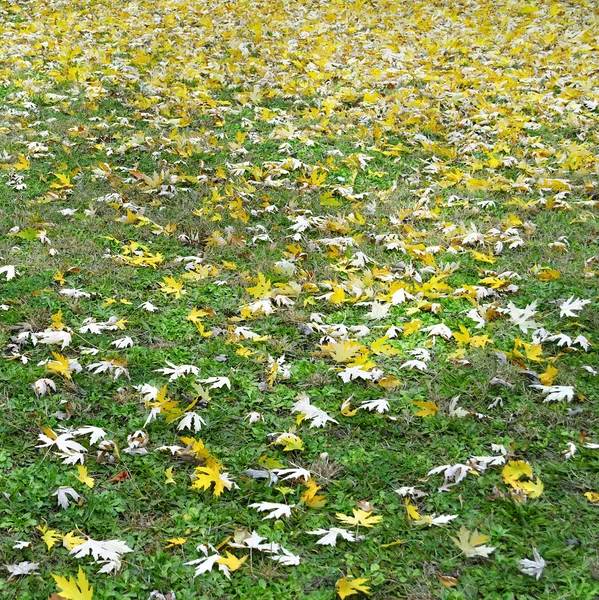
x: 298, y: 300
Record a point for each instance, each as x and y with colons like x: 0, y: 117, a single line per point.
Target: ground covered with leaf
x: 299, y: 299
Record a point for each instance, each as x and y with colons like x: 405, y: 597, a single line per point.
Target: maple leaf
x: 556, y: 393
x: 471, y: 543
x: 60, y: 365
x: 276, y: 510
x: 535, y: 567
x: 429, y: 409
x: 83, y: 477
x: 63, y: 493
x: 261, y: 289
x: 49, y: 536
x: 522, y: 316
x: 231, y: 561
x: 74, y: 589
x: 351, y: 587
x: 592, y: 497
x: 572, y: 306
x: 290, y: 442
x: 329, y: 536
x: 172, y: 286
x: 22, y: 568
x: 360, y: 517
x: 515, y: 470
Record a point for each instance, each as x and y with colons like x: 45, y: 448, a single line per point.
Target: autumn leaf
x: 74, y: 589
x: 60, y: 365
x: 359, y: 517
x: 515, y: 470
x: 351, y: 587
x: 83, y: 477
x: 429, y: 409
x: 471, y: 543
x: 49, y: 536
x: 172, y: 286
x: 232, y: 562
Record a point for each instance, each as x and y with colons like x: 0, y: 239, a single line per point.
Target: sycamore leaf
x: 83, y: 477
x: 572, y: 306
x: 172, y: 286
x: 471, y: 543
x: 60, y: 365
x: 261, y: 289
x: 276, y: 510
x: 515, y: 470
x: 74, y: 589
x: 231, y: 561
x: 429, y: 409
x: 49, y: 536
x: 360, y: 517
x: 535, y: 567
x: 592, y: 497
x: 351, y: 587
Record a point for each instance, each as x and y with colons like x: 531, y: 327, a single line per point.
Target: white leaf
x: 286, y: 558
x: 9, y: 271
x: 22, y: 568
x: 535, y: 567
x: 191, y: 421
x: 63, y: 493
x: 381, y: 406
x: 277, y: 510
x: 522, y: 316
x: 41, y: 386
x: 316, y: 416
x: 556, y: 393
x: 108, y: 551
x: 572, y: 306
x: 217, y: 382
x: 329, y: 536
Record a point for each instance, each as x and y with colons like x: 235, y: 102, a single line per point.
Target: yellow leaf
x: 548, y: 376
x: 360, y: 517
x: 429, y: 409
x: 74, y: 589
x: 290, y: 442
x: 486, y: 258
x: 169, y: 476
x: 70, y: 540
x: 196, y: 315
x: 592, y: 497
x: 514, y: 470
x: 172, y: 286
x: 338, y: 295
x: 346, y: 409
x: 412, y: 510
x: 380, y: 347
x: 446, y: 580
x: 262, y: 287
x: 60, y: 365
x: 351, y: 587
x: 471, y: 543
x: 343, y: 352
x: 533, y: 352
x: 231, y: 561
x: 532, y: 489
x: 49, y: 536
x: 548, y: 275
x: 462, y: 338
x: 175, y: 542
x: 411, y: 327
x: 83, y: 477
